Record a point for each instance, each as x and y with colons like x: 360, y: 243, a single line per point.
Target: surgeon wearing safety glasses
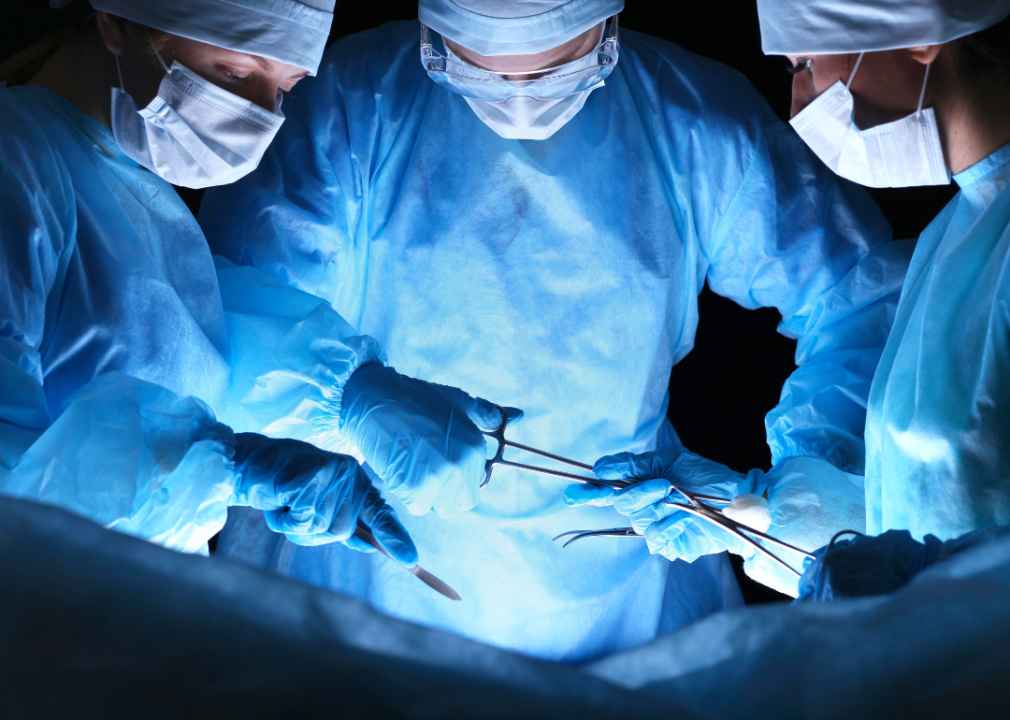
x: 524, y: 200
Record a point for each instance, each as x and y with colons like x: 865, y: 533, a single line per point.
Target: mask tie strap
x: 855, y: 70
x: 922, y: 95
x: 119, y: 71
x: 156, y: 53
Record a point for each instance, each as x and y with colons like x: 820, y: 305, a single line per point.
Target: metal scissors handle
x: 698, y: 505
x: 503, y: 443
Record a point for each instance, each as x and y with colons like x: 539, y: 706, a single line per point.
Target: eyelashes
x: 799, y: 67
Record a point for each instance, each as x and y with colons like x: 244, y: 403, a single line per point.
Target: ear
x: 114, y: 31
x: 925, y: 54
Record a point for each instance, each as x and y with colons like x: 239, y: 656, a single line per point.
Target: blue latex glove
x: 668, y: 531
x: 424, y: 440
x: 315, y: 497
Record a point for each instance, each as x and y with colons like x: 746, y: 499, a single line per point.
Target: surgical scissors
x: 701, y: 506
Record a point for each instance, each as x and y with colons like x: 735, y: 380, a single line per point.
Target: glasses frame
x: 566, y: 79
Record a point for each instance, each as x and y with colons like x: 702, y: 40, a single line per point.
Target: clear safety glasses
x: 557, y: 82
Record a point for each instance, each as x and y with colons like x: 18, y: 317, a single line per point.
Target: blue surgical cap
x: 514, y: 27
x: 289, y: 31
x: 828, y: 27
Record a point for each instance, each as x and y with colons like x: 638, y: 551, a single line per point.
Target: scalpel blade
x: 423, y: 575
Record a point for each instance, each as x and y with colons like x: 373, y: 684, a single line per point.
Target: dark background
x: 721, y: 391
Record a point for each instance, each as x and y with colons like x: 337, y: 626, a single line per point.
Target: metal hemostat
x: 503, y: 443
x: 699, y: 506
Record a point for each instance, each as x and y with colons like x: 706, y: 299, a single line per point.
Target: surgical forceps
x: 701, y: 506
x: 498, y: 459
x: 503, y: 442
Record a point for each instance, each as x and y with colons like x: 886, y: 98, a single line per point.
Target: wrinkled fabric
x: 938, y: 425
x: 118, y: 335
x: 290, y: 31
x: 240, y: 643
x: 936, y: 648
x: 561, y: 277
x: 810, y: 500
x: 114, y: 627
x: 825, y: 27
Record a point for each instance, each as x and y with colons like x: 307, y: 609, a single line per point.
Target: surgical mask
x: 193, y: 134
x: 527, y: 118
x: 525, y: 109
x: 904, y: 153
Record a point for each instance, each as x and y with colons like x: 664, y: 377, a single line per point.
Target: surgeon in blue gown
x: 125, y: 346
x: 548, y: 252
x: 918, y: 100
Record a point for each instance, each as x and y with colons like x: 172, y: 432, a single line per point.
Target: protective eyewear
x: 556, y: 82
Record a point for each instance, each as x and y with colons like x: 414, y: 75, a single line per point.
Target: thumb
x: 486, y: 415
x: 386, y: 528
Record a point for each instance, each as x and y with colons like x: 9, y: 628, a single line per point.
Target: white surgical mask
x: 526, y: 117
x: 904, y: 153
x: 193, y: 134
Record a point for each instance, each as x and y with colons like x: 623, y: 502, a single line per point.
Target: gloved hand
x: 315, y: 497
x: 424, y: 440
x: 669, y: 531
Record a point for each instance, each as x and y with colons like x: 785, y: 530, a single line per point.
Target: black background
x: 721, y: 391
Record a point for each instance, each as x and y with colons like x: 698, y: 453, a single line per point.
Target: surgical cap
x: 827, y: 27
x: 514, y: 27
x: 290, y: 31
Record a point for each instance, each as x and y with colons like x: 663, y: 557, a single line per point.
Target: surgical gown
x: 123, y: 342
x: 561, y: 277
x: 938, y: 422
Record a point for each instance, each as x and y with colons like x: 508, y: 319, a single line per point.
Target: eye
x: 799, y: 67
x: 234, y: 76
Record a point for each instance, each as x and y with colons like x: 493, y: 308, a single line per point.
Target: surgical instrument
x: 503, y: 443
x: 423, y: 575
x: 701, y: 506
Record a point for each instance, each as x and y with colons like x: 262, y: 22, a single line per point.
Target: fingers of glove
x: 663, y: 535
x: 595, y: 495
x: 294, y: 522
x: 637, y: 497
x: 485, y: 415
x: 615, y: 467
x: 386, y: 528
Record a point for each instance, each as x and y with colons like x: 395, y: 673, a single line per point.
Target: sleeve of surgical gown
x: 291, y: 355
x: 793, y: 236
x: 128, y: 454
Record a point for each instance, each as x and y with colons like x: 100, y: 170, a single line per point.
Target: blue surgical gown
x: 938, y: 422
x: 123, y: 342
x: 560, y: 277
